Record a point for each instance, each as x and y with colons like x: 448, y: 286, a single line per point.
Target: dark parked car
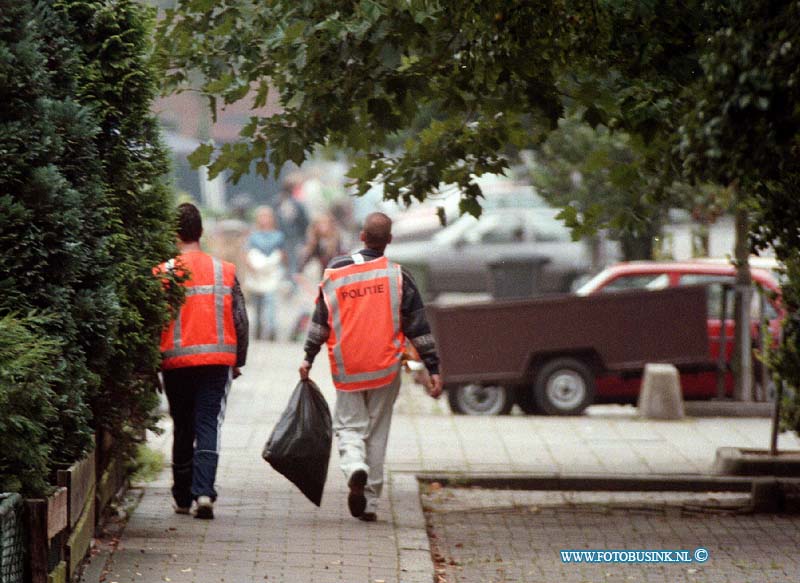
x: 462, y: 257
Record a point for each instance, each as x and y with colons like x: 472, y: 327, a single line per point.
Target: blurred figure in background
x: 293, y: 223
x: 228, y: 238
x: 324, y: 242
x: 265, y: 259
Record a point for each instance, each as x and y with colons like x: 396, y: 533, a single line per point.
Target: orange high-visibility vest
x: 203, y: 332
x: 366, y: 342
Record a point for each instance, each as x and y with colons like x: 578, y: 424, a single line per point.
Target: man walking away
x: 367, y: 307
x: 202, y: 348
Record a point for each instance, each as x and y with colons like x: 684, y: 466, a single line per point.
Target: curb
x: 714, y: 408
x: 734, y: 461
x: 414, y: 559
x: 596, y: 482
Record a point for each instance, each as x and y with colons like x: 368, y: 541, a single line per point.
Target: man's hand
x: 237, y: 372
x: 435, y: 386
x: 305, y: 368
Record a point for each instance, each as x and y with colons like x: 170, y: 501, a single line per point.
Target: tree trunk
x: 638, y: 247
x: 597, y: 243
x: 700, y: 240
x: 743, y: 353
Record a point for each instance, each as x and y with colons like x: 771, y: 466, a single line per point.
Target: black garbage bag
x: 300, y: 444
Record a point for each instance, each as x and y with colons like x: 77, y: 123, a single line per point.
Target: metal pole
x: 776, y: 417
x: 722, y: 365
x: 764, y: 338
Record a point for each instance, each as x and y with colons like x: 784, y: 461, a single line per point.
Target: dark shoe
x: 368, y: 517
x: 181, y: 509
x: 205, y: 508
x: 356, y: 501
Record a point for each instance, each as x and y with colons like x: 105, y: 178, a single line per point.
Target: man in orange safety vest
x: 366, y: 309
x: 202, y: 349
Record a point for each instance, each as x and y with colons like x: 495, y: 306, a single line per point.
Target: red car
x: 659, y: 275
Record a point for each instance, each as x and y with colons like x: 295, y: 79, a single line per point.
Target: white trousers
x: 361, y: 421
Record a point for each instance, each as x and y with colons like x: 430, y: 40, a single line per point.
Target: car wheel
x: 564, y: 386
x: 474, y: 399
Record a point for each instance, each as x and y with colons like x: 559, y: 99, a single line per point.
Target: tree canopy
x: 475, y: 79
x: 354, y: 74
x: 598, y: 176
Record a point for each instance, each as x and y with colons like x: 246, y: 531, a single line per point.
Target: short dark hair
x: 190, y: 224
x: 377, y: 231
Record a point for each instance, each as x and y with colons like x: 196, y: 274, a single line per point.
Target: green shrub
x: 26, y: 403
x: 85, y: 214
x: 52, y: 208
x: 116, y: 79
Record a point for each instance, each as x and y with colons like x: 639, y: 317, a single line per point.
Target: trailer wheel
x: 564, y: 386
x: 474, y: 399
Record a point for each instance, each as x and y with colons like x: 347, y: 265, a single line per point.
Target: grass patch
x: 147, y: 465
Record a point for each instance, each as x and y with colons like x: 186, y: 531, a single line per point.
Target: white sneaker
x: 205, y: 508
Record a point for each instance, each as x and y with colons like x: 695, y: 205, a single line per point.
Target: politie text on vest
x: 360, y: 292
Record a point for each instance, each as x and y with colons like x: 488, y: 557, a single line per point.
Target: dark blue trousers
x: 197, y: 397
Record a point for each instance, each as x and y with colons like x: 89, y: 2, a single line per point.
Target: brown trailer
x: 528, y: 350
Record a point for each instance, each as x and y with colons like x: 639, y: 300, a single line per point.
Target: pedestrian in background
x: 265, y: 270
x: 366, y: 308
x: 202, y: 348
x: 293, y: 223
x: 324, y: 242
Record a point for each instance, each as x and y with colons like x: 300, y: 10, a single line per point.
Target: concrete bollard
x: 660, y: 396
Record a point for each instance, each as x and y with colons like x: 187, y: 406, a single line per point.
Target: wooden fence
x: 61, y: 527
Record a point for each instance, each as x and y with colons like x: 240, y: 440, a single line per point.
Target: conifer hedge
x: 85, y: 212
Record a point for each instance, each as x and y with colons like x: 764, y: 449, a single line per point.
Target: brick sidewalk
x: 266, y: 530
x: 491, y: 536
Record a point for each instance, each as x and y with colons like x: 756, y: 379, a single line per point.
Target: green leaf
x: 442, y: 216
x: 470, y: 206
x: 296, y: 101
x: 294, y: 31
x: 407, y: 62
x: 262, y: 94
x: 201, y: 156
x: 234, y: 95
x: 218, y: 86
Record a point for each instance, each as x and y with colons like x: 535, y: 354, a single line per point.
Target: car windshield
x: 512, y: 196
x: 601, y: 283
x: 455, y: 231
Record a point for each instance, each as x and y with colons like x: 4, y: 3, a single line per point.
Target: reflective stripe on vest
x: 176, y: 348
x: 337, y: 279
